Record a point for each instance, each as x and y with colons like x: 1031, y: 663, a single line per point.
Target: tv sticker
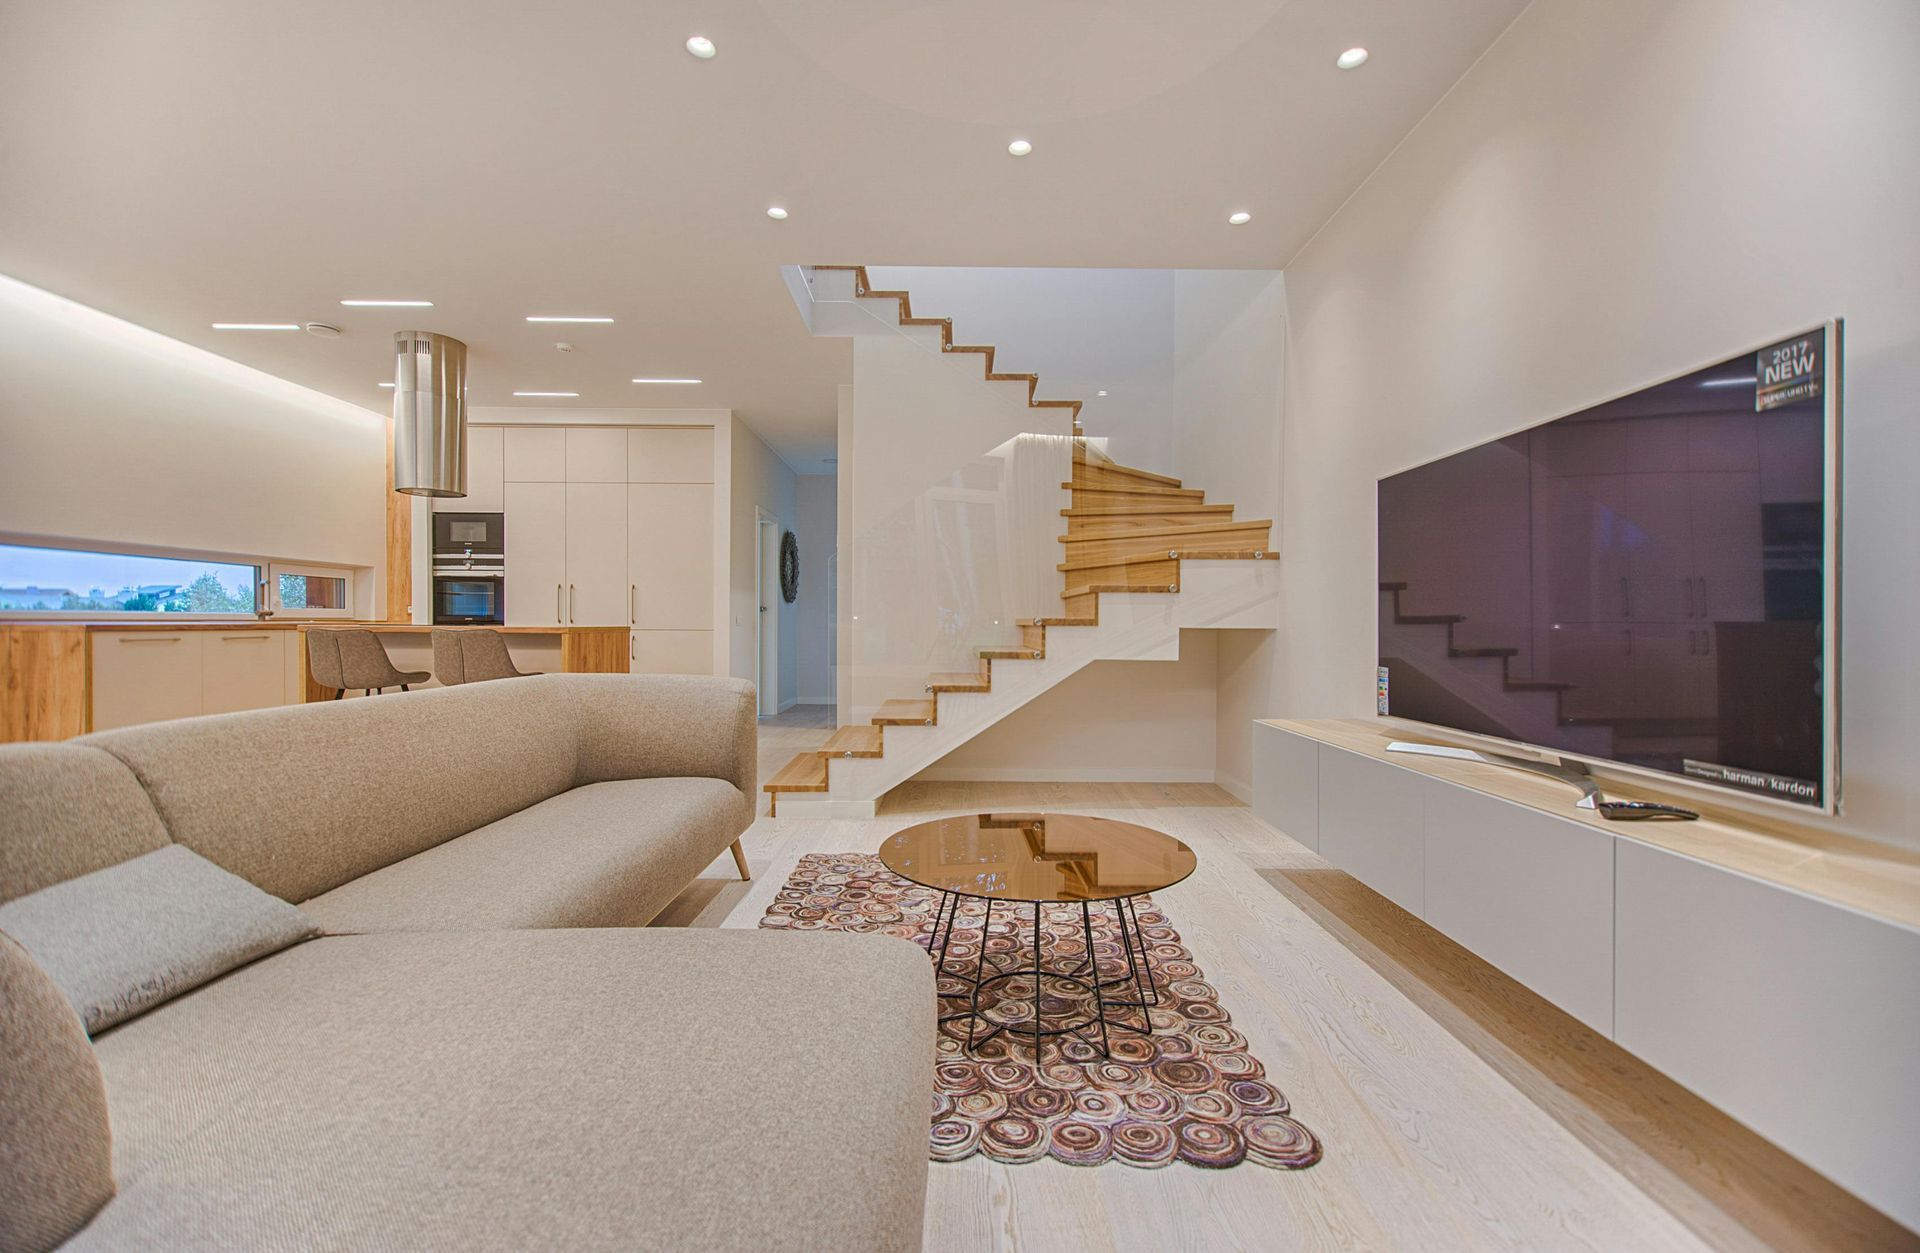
x: 1787, y: 372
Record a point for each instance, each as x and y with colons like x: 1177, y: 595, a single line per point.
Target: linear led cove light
x: 256, y: 326
x: 546, y: 393
x: 679, y: 381
x: 552, y: 319
x: 1726, y: 382
x: 388, y: 304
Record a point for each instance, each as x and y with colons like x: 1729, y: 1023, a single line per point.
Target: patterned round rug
x: 1190, y: 1091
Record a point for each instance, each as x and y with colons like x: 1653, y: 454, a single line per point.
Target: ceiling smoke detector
x: 563, y: 346
x: 325, y: 330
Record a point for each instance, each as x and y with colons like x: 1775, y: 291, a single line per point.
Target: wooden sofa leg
x: 740, y: 860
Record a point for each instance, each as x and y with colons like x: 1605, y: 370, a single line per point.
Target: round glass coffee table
x: 1035, y: 863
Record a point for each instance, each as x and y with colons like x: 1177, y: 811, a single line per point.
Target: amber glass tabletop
x: 1037, y: 857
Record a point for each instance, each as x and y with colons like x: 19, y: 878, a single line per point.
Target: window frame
x: 265, y: 585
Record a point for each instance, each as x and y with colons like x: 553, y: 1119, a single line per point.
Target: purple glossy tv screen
x: 1649, y: 581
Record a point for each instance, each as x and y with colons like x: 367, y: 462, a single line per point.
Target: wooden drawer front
x: 145, y: 676
x: 1530, y: 893
x: 242, y: 670
x: 1371, y: 824
x: 1286, y: 783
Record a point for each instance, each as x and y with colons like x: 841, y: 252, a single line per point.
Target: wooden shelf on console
x: 1873, y: 878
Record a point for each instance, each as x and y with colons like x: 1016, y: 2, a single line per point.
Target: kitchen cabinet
x: 1728, y: 559
x: 596, y: 554
x: 670, y: 454
x: 486, y: 474
x: 670, y: 555
x: 671, y: 652
x: 596, y: 454
x: 241, y: 670
x: 536, y: 520
x: 1372, y: 825
x: 145, y: 676
x: 535, y: 454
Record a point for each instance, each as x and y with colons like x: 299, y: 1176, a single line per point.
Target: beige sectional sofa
x: 484, y: 1049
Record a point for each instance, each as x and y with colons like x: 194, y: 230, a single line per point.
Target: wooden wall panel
x: 43, y: 682
x: 399, y: 544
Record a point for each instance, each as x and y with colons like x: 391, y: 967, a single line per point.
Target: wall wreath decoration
x: 789, y: 567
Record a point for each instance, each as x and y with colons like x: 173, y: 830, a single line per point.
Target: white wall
x: 114, y: 434
x: 760, y: 479
x: 1115, y: 721
x: 1229, y: 364
x: 1613, y: 194
x: 816, y: 527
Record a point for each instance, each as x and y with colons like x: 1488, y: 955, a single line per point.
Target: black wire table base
x: 1106, y: 995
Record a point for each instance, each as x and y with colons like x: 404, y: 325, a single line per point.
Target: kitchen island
x: 61, y: 679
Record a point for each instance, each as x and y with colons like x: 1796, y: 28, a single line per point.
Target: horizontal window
x: 311, y: 591
x: 69, y: 580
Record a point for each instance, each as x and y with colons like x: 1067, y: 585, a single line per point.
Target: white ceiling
x: 184, y: 162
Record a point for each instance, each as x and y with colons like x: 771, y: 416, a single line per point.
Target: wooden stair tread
x: 1132, y: 472
x: 1148, y: 532
x: 1483, y: 652
x: 1393, y: 587
x: 853, y: 741
x: 1059, y: 622
x: 962, y: 681
x: 1094, y: 588
x: 805, y: 773
x: 1429, y: 619
x: 1144, y: 489
x: 1008, y: 653
x: 1537, y: 685
x: 1167, y: 554
x: 1175, y: 505
x: 1227, y: 554
x: 904, y: 713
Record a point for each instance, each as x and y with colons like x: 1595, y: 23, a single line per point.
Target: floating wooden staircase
x: 1128, y: 531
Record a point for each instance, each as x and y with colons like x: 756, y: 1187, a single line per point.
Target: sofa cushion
x: 56, y: 1157
x: 68, y: 810
x: 122, y: 940
x: 605, y: 855
x: 583, y: 1089
x: 300, y: 799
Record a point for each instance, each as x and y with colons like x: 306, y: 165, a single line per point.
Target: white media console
x: 1774, y: 970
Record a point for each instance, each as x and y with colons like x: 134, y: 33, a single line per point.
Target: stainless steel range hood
x: 429, y: 414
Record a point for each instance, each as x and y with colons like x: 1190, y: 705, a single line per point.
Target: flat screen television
x: 1650, y: 583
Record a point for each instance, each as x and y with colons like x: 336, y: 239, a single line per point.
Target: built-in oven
x: 469, y: 595
x: 459, y: 536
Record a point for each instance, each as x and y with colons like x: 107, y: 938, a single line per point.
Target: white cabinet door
x: 670, y: 454
x: 596, y: 554
x: 535, y: 454
x: 1795, y: 1016
x: 1286, y: 782
x: 596, y: 454
x: 486, y: 471
x: 536, y: 525
x: 672, y: 652
x: 1660, y: 546
x: 1371, y: 823
x: 670, y: 555
x: 241, y: 670
x: 144, y: 676
x: 1530, y: 893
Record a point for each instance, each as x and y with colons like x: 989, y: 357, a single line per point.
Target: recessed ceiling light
x: 256, y: 326
x: 1748, y: 381
x: 388, y: 304
x: 542, y: 318
x: 1351, y: 59
x: 1099, y: 393
x: 777, y: 213
x: 1019, y: 148
x: 386, y: 384
x: 702, y: 47
x: 683, y: 382
x: 1239, y: 219
x: 546, y: 393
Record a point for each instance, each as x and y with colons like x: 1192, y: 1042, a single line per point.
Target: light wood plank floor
x: 1458, y: 1111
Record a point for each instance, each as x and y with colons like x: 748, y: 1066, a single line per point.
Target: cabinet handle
x: 243, y: 637
x: 1686, y: 593
x: 150, y: 639
x: 569, y: 602
x: 1693, y: 644
x: 558, y: 616
x: 1626, y: 598
x: 633, y: 617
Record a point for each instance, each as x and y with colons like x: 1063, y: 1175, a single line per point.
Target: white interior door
x: 767, y: 638
x: 536, y: 522
x: 596, y: 554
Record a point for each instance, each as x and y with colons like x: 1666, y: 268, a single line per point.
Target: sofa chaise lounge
x: 482, y: 1049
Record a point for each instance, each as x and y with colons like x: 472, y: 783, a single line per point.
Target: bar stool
x: 341, y: 659
x: 474, y: 655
